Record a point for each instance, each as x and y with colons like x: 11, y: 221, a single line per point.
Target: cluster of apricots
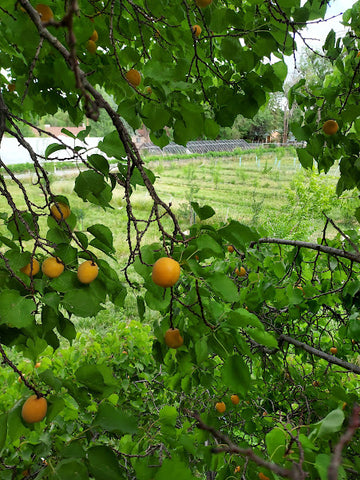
x: 165, y: 273
x: 220, y: 407
x: 53, y: 267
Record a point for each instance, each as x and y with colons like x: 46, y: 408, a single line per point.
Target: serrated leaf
x: 82, y: 302
x: 168, y: 416
x: 235, y: 374
x: 114, y: 420
x: 223, y: 286
x: 15, y: 310
x: 103, y: 463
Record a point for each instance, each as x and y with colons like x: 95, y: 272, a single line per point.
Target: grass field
x: 266, y: 189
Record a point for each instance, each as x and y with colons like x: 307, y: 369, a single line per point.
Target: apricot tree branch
x: 228, y: 446
x: 336, y: 252
x: 319, y: 353
x: 354, y: 424
x: 7, y: 361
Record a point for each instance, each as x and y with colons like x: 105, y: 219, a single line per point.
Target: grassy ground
x: 265, y: 189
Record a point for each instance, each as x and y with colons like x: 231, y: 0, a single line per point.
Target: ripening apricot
x: 60, y: 207
x: 148, y: 90
x: 220, y: 407
x: 91, y: 46
x: 196, y: 29
x: 263, y: 477
x: 235, y: 399
x: 52, y: 267
x: 87, y: 272
x: 94, y: 36
x: 237, y: 469
x: 34, y: 409
x: 45, y: 12
x: 203, y: 3
x: 173, y: 339
x: 37, y: 365
x: 165, y: 272
x: 11, y: 87
x: 333, y: 350
x: 133, y: 77
x: 330, y: 127
x: 240, y: 272
x: 230, y: 248
x: 32, y: 268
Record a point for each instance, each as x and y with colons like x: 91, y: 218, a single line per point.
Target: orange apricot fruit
x: 94, y: 36
x: 230, y: 248
x: 52, y: 267
x: 240, y: 272
x: 196, y: 29
x: 333, y: 350
x: 87, y: 272
x: 330, y: 127
x: 263, y: 477
x: 220, y: 407
x: 45, y: 12
x: 165, y: 272
x: 173, y: 339
x: 91, y: 46
x: 60, y: 211
x: 203, y: 3
x: 133, y: 77
x: 235, y: 399
x: 32, y: 268
x: 34, y: 409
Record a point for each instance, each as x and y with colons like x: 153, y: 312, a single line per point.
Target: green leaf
x: 82, y: 302
x: 204, y: 212
x: 238, y: 234
x: 173, y: 468
x: 223, y: 286
x: 332, y: 423
x: 20, y: 224
x: 91, y: 186
x: 201, y: 350
x: 114, y: 420
x: 235, y: 374
x: 52, y: 148
x: 66, y: 328
x: 112, y: 146
x: 305, y: 158
x: 3, y: 430
x: 103, y: 237
x: 15, y: 310
x: 95, y: 377
x: 264, y: 338
x: 275, y: 442
x: 100, y: 163
x: 209, y: 246
x: 242, y: 318
x: 71, y: 469
x: 103, y: 463
x: 168, y: 416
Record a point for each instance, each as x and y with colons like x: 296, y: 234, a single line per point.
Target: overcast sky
x: 317, y: 33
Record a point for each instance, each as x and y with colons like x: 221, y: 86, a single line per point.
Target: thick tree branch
x: 344, y: 440
x: 336, y: 252
x: 228, y: 446
x: 319, y: 353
